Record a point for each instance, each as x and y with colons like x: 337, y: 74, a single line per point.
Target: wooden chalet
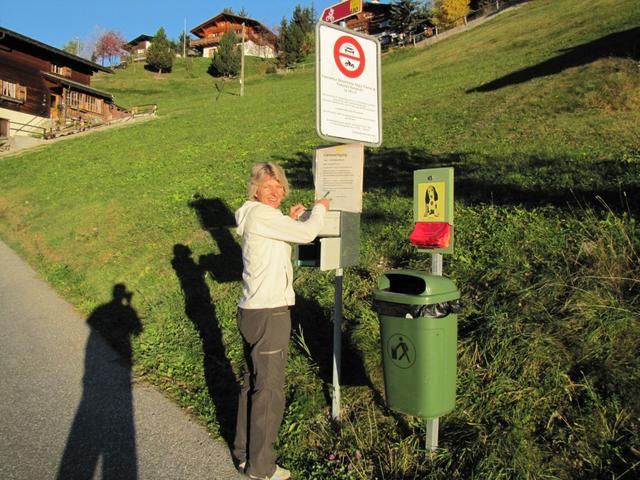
x: 41, y: 85
x: 138, y: 47
x: 375, y: 19
x: 259, y: 40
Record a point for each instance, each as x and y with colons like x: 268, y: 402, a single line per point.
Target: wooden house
x: 375, y: 19
x: 259, y: 40
x: 41, y: 85
x: 138, y: 47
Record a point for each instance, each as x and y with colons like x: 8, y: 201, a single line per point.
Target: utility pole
x: 242, y: 65
x: 184, y: 39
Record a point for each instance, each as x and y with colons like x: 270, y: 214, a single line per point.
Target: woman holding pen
x: 263, y: 313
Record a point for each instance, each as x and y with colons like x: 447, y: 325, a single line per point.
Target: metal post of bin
x: 337, y: 346
x: 433, y: 424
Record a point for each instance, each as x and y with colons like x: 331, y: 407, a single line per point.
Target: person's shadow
x: 103, y: 428
x: 220, y: 378
x: 217, y: 218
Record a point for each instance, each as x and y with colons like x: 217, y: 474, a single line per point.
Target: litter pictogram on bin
x: 401, y: 350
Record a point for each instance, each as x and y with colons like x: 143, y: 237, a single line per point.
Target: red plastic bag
x: 431, y: 234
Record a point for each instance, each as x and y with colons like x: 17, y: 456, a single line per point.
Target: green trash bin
x: 419, y: 336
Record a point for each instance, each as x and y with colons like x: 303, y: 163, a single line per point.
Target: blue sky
x: 55, y: 23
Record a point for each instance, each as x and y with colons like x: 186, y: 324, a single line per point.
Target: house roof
x: 238, y: 18
x: 140, y: 38
x: 78, y: 86
x: 5, y: 32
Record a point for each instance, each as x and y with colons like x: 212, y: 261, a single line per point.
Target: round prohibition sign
x: 349, y: 56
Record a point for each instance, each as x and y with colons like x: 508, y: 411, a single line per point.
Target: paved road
x: 68, y: 409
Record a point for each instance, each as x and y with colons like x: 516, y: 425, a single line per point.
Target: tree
x: 449, y: 12
x: 110, y: 45
x: 73, y: 46
x: 296, y: 39
x: 226, y: 59
x: 294, y: 43
x: 160, y: 54
x: 305, y: 19
x: 281, y: 42
x: 408, y: 15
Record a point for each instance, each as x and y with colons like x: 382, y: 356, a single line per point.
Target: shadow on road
x: 103, y: 431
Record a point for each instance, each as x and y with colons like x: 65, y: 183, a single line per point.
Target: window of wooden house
x: 13, y: 91
x: 62, y: 71
x: 82, y: 101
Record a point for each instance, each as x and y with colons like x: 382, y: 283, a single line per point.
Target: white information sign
x: 348, y: 93
x: 337, y: 173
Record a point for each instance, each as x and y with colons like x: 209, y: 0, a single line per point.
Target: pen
x: 325, y: 195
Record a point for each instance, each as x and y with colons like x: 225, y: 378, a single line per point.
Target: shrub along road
x: 68, y: 408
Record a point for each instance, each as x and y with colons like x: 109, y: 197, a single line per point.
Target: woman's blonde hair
x: 259, y: 172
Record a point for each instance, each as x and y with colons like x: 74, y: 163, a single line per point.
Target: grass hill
x: 538, y: 110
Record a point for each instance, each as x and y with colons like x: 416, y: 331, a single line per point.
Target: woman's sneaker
x: 279, y: 474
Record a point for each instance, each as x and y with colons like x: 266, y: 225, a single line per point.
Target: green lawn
x: 538, y: 110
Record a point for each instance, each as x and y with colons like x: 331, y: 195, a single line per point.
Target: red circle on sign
x: 349, y: 56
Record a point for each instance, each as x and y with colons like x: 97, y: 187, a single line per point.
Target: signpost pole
x: 348, y: 56
x: 433, y: 424
x: 337, y: 345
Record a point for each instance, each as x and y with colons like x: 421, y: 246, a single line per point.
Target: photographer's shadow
x: 103, y: 429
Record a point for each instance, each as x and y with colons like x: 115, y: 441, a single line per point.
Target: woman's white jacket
x: 266, y: 254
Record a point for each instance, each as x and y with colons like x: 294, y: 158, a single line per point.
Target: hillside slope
x: 537, y: 110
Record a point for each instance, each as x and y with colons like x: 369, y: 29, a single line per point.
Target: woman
x: 263, y: 313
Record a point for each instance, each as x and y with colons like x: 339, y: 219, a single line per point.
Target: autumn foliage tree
x: 449, y: 12
x: 110, y: 46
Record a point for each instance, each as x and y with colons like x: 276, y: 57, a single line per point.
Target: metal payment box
x: 336, y: 246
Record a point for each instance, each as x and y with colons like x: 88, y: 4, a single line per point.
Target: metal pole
x: 242, y: 65
x: 184, y: 39
x: 433, y: 424
x: 337, y: 346
x: 436, y: 264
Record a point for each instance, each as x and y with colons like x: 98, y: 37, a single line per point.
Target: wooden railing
x: 147, y: 109
x: 35, y: 130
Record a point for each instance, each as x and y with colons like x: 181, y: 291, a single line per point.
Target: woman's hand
x: 296, y: 210
x: 324, y: 202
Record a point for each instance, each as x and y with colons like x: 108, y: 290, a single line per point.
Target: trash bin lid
x: 414, y: 287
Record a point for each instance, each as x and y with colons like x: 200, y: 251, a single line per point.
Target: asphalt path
x: 68, y: 406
